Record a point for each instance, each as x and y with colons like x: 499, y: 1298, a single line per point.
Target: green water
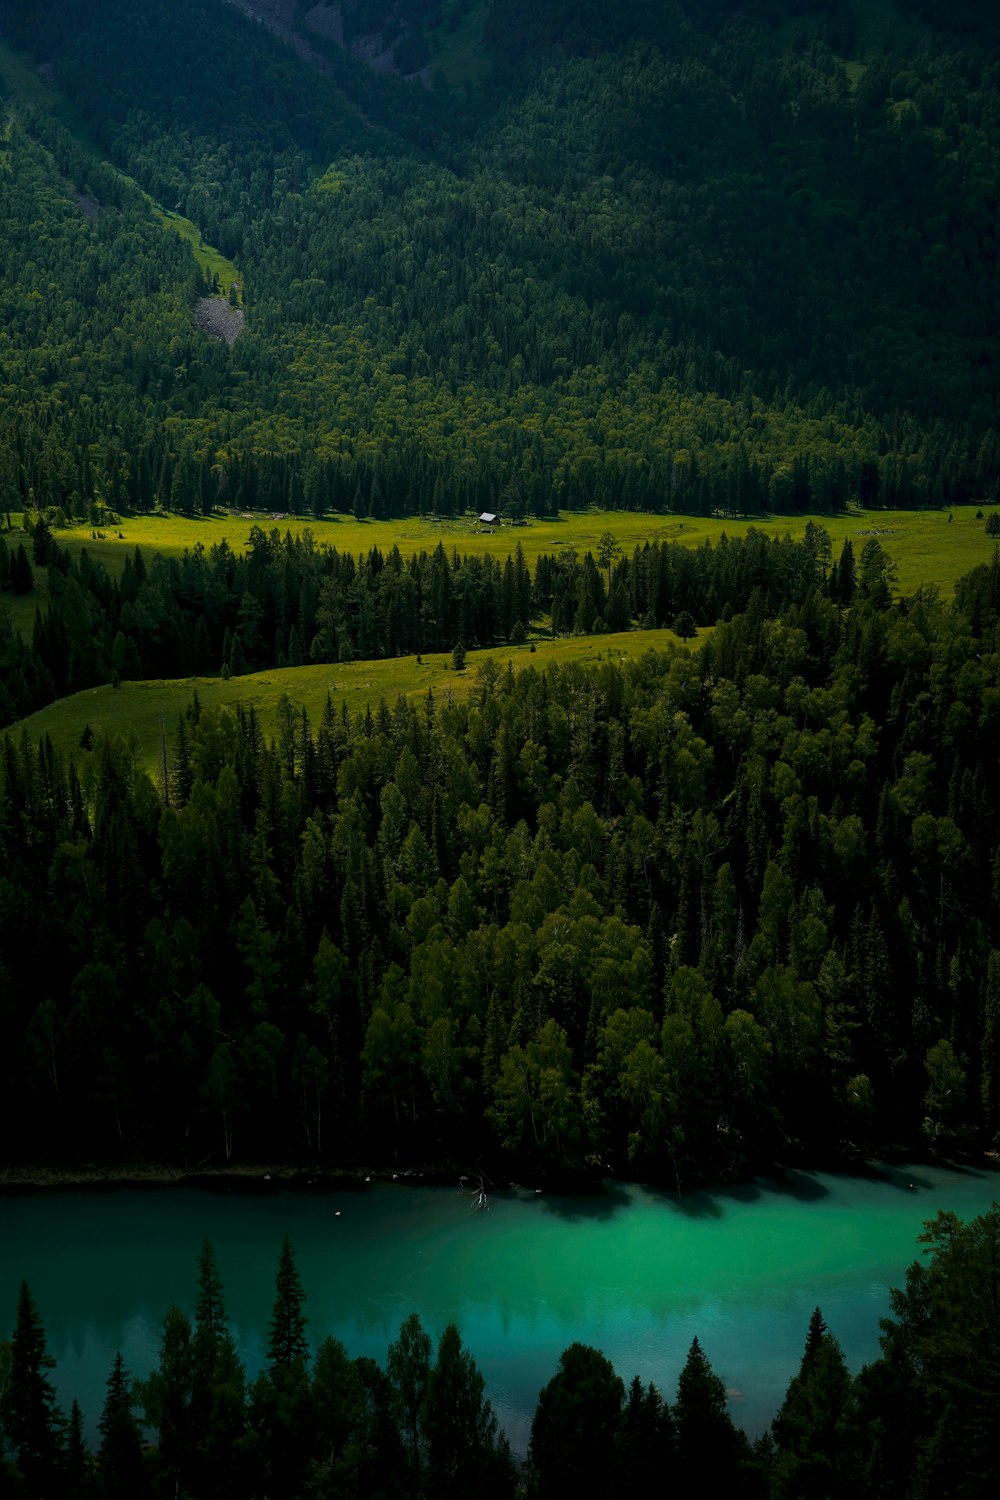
x: 632, y: 1271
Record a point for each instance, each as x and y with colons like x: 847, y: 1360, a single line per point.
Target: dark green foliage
x: 926, y: 1409
x: 282, y: 1410
x: 711, y: 1450
x: 409, y: 1367
x: 754, y: 280
x: 577, y: 914
x: 33, y: 1424
x: 811, y: 1457
x: 22, y: 579
x: 918, y: 1422
x: 287, y: 1343
x: 464, y: 1456
x: 120, y: 1465
x: 575, y: 1426
x: 215, y: 608
x: 645, y: 1443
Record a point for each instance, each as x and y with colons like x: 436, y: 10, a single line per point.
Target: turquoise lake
x: 635, y: 1272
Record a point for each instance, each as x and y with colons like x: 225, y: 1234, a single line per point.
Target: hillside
x: 674, y: 257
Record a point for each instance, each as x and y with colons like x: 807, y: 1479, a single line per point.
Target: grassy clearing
x: 927, y: 547
x: 211, y: 262
x: 137, y: 708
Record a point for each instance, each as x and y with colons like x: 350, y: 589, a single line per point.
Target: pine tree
x: 34, y: 1422
x: 575, y: 1425
x: 77, y: 1463
x: 409, y: 1364
x: 120, y: 1461
x: 167, y: 1401
x: 282, y: 1410
x: 22, y: 579
x: 464, y: 1455
x: 218, y: 1388
x: 287, y: 1343
x: 644, y: 1442
x: 808, y: 1430
x: 711, y: 1450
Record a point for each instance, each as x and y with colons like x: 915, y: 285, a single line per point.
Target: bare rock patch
x: 215, y: 316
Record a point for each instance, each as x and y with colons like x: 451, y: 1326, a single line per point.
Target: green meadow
x: 929, y: 547
x: 136, y: 710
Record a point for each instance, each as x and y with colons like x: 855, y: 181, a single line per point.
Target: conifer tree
x: 409, y: 1364
x: 287, y: 1343
x: 575, y: 1425
x: 711, y: 1450
x: 167, y: 1401
x: 464, y: 1455
x: 77, y: 1463
x: 808, y: 1430
x: 218, y: 1387
x: 120, y: 1462
x: 34, y: 1422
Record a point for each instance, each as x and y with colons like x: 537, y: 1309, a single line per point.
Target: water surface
x: 635, y: 1272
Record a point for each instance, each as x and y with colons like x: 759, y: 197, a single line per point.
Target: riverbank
x: 261, y: 1177
x: 246, y: 1177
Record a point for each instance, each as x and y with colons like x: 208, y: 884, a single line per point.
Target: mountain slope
x: 668, y: 256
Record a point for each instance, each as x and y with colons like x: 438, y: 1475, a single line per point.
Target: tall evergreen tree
x: 810, y: 1447
x: 287, y: 1343
x: 465, y: 1457
x: 409, y: 1366
x: 575, y: 1425
x: 120, y: 1462
x: 33, y: 1420
x: 712, y: 1452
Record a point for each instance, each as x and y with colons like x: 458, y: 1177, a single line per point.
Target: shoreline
x: 260, y: 1177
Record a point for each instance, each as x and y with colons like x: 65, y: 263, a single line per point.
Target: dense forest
x: 681, y: 256
x: 676, y: 915
x: 918, y: 1421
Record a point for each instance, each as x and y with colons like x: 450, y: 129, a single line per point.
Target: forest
x: 678, y: 914
x: 317, y: 1422
x: 679, y: 257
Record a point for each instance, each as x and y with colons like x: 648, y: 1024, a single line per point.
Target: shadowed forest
x: 682, y: 256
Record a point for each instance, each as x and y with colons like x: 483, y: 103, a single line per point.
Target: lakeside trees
x: 918, y: 1420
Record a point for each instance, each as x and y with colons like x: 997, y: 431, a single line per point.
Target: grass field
x: 211, y: 262
x: 927, y: 547
x: 136, y: 708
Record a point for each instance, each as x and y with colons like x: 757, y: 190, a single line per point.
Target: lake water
x: 635, y: 1272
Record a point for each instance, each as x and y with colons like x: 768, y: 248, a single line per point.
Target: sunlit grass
x: 211, y: 262
x: 927, y: 548
x: 139, y: 710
